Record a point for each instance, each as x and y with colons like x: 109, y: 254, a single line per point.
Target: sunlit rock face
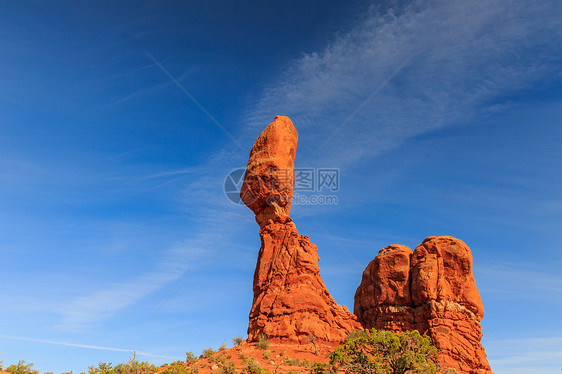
x: 431, y: 290
x: 290, y: 301
x: 270, y: 174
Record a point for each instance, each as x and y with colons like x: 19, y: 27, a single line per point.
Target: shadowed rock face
x: 291, y: 301
x: 431, y: 290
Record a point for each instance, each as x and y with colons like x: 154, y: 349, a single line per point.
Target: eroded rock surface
x: 270, y: 174
x: 431, y: 290
x: 291, y: 301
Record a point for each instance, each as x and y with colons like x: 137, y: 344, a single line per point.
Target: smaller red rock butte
x: 431, y: 290
x: 291, y: 301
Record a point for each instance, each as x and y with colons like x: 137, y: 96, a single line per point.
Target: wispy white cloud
x: 526, y: 355
x: 519, y: 281
x: 212, y: 219
x: 170, y: 173
x: 86, y: 346
x: 85, y: 311
x: 458, y: 59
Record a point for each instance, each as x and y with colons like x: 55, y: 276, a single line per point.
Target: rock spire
x: 290, y: 301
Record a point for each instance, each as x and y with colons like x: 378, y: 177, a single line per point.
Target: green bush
x: 177, y: 367
x: 237, y: 340
x: 383, y: 352
x: 227, y: 368
x: 135, y: 367
x: 21, y: 368
x: 322, y: 368
x: 103, y: 368
x: 207, y: 353
x: 263, y: 341
x: 190, y: 358
x: 132, y: 367
x: 296, y: 362
x: 355, y: 334
x: 253, y: 367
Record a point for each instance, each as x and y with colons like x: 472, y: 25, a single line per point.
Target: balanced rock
x: 270, y: 174
x: 291, y: 302
x: 431, y: 290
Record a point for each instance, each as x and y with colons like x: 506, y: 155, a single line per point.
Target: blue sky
x: 120, y: 121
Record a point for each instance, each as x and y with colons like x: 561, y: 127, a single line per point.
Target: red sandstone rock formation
x: 291, y: 301
x: 270, y: 174
x: 431, y: 290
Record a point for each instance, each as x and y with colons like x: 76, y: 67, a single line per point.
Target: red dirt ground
x: 275, y: 359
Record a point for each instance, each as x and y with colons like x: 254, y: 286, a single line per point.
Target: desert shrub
x: 263, y: 341
x: 266, y: 354
x: 253, y: 367
x: 222, y: 347
x: 220, y: 359
x: 190, y: 358
x: 312, y: 339
x: 383, y: 352
x: 322, y: 368
x: 207, y: 353
x: 296, y: 362
x: 132, y: 367
x: 290, y: 362
x: 135, y: 367
x: 355, y: 334
x: 103, y: 368
x: 21, y: 368
x: 228, y: 368
x: 177, y: 367
x: 237, y: 340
